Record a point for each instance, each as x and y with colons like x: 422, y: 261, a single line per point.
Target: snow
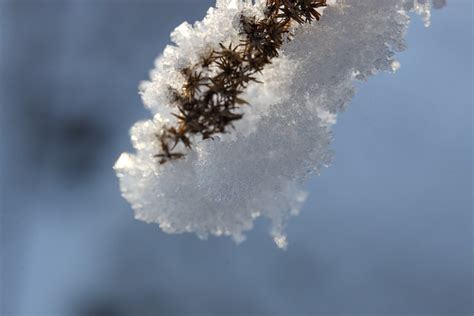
x: 223, y: 185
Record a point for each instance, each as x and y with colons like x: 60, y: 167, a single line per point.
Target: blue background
x: 387, y: 229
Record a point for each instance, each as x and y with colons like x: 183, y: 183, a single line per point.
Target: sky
x: 387, y: 228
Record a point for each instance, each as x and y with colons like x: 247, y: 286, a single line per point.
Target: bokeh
x: 387, y: 229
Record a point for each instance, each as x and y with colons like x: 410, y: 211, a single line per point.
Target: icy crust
x: 257, y: 170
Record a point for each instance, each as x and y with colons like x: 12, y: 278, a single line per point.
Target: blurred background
x: 387, y: 229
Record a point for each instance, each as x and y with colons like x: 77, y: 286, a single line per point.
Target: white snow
x: 224, y: 184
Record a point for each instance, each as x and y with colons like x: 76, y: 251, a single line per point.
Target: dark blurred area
x: 386, y: 231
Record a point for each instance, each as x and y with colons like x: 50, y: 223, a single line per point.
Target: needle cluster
x: 209, y: 100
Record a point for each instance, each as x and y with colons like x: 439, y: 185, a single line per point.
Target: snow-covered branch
x: 280, y: 138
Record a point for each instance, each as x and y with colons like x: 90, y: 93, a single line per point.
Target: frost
x: 257, y: 170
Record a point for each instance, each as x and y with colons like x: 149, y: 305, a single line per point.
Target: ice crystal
x: 257, y: 169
